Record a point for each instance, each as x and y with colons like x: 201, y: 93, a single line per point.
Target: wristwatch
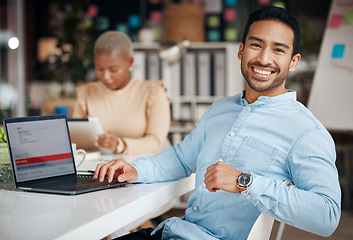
x: 244, y: 181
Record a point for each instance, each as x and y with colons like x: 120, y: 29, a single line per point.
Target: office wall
x: 331, y: 96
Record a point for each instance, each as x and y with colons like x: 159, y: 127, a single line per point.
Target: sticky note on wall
x: 156, y: 16
x: 134, y: 21
x: 348, y: 16
x: 231, y: 34
x: 213, y: 35
x: 122, y: 27
x: 230, y: 3
x: 230, y: 14
x: 158, y: 33
x: 213, y: 21
x: 335, y: 21
x: 338, y: 50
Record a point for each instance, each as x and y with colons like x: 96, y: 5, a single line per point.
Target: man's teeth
x: 262, y: 72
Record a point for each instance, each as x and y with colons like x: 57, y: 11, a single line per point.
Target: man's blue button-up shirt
x: 275, y: 139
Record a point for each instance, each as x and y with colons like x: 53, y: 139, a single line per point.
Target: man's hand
x: 221, y: 176
x: 108, y: 140
x: 118, y: 169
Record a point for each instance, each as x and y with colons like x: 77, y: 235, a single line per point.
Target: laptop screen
x: 40, y: 147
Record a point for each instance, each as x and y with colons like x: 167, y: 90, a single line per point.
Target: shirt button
x: 204, y: 185
x: 195, y: 208
x: 231, y: 134
x: 248, y: 108
x: 248, y: 196
x: 220, y: 160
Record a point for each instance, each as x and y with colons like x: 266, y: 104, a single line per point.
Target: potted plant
x: 5, y: 167
x: 4, y: 153
x: 74, y: 31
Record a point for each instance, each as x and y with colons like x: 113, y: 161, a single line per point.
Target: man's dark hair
x: 278, y: 14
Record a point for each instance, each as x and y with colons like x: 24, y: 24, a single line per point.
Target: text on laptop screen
x: 40, y: 149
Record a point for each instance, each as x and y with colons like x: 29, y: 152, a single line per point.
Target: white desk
x: 93, y: 215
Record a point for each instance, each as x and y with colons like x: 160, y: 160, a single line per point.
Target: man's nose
x: 265, y: 57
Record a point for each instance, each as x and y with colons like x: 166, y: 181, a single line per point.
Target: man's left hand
x: 221, y: 176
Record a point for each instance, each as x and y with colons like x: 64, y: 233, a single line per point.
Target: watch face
x: 244, y: 180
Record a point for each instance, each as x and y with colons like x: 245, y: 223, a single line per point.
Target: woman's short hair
x: 114, y: 40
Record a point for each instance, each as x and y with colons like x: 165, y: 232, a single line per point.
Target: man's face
x: 266, y: 57
x: 112, y: 68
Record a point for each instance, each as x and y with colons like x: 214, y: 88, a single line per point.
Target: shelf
x: 206, y: 73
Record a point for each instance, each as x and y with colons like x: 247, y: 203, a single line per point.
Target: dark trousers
x: 143, y: 234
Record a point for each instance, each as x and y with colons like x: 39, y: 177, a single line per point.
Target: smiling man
x: 247, y: 147
x: 267, y: 54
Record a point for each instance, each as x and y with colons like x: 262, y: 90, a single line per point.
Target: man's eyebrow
x: 276, y: 43
x: 255, y: 38
x: 282, y: 45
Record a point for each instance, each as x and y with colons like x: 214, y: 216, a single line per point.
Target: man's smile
x: 262, y: 72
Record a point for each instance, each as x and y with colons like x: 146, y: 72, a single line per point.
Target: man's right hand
x: 118, y: 169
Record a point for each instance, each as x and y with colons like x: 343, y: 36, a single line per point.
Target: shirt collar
x: 289, y: 96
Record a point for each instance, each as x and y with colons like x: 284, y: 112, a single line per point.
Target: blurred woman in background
x: 134, y: 114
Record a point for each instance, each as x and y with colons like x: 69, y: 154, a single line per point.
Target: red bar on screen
x: 40, y: 159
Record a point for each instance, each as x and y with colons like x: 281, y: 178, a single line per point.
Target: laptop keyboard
x: 72, y: 182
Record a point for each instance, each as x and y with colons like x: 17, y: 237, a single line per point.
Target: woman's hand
x: 109, y: 141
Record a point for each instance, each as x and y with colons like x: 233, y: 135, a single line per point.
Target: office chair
x: 262, y: 228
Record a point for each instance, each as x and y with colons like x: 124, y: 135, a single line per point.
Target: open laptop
x: 41, y: 157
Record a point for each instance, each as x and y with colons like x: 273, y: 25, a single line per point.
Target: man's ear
x: 294, y: 62
x: 240, y: 52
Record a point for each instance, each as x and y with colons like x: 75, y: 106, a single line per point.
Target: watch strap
x: 241, y: 188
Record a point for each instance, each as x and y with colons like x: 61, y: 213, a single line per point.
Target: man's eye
x: 279, y: 50
x: 255, y: 45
